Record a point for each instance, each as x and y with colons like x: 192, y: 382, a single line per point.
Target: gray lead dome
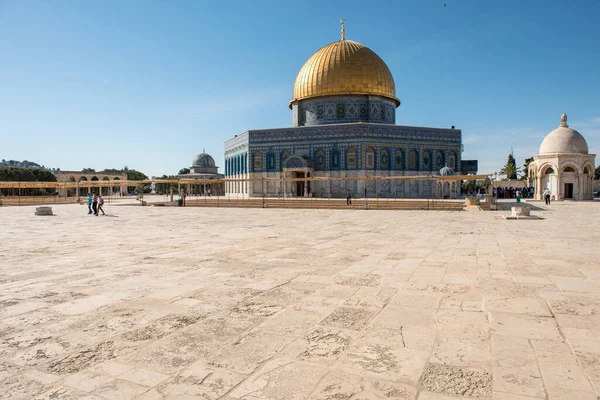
x: 203, y: 160
x: 446, y: 171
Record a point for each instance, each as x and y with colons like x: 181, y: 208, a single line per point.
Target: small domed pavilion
x: 564, y: 165
x: 204, y: 168
x: 448, y: 190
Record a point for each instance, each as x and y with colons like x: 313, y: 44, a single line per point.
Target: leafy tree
x: 133, y: 175
x: 597, y: 173
x: 43, y: 175
x: 14, y: 174
x: 88, y: 170
x: 184, y: 171
x: 526, y: 167
x: 165, y: 187
x: 510, y: 169
x: 110, y: 171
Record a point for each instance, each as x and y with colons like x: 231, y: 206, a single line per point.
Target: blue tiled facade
x: 343, y: 150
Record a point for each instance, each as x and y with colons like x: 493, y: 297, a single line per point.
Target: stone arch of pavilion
x: 84, y: 177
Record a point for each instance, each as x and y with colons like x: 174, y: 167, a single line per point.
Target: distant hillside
x: 19, y: 164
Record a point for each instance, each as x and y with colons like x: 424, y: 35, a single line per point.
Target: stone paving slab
x: 264, y: 304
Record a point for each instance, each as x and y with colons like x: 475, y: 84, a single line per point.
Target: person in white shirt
x: 100, y: 204
x: 546, y: 194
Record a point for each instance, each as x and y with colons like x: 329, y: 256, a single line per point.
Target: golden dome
x: 344, y: 67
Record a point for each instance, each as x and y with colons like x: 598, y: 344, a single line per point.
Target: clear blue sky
x: 149, y: 84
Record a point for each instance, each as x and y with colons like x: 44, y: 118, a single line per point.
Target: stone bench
x: 43, y: 211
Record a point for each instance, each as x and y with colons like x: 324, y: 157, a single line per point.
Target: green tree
x: 88, y: 170
x: 112, y: 171
x: 14, y: 174
x: 525, y: 174
x: 184, y: 171
x: 510, y: 169
x: 164, y: 188
x: 43, y: 175
x: 133, y: 175
x: 597, y: 173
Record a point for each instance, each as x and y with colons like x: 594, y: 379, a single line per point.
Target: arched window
x: 452, y: 160
x: 568, y: 169
x: 586, y: 171
x: 385, y: 159
x: 399, y: 160
x: 257, y: 161
x: 270, y: 161
x: 549, y: 171
x: 427, y: 164
x: 284, y: 156
x: 440, y: 161
x: 335, y: 159
x: 413, y: 160
x: 370, y: 158
x: 319, y: 160
x: 351, y: 158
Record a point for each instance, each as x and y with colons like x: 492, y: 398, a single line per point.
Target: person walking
x: 547, y: 193
x: 278, y: 193
x: 95, y: 204
x: 89, y: 203
x: 100, y: 204
x: 518, y: 195
x: 349, y: 198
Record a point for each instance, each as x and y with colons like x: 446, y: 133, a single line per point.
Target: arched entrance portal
x: 296, y: 169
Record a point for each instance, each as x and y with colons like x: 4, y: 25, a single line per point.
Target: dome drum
x: 343, y: 109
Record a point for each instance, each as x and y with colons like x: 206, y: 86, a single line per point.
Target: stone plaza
x: 280, y: 304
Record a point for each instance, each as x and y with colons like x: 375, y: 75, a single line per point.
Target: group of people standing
x: 511, y: 193
x: 95, y: 203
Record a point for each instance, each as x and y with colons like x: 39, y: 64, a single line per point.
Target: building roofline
x: 332, y: 126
